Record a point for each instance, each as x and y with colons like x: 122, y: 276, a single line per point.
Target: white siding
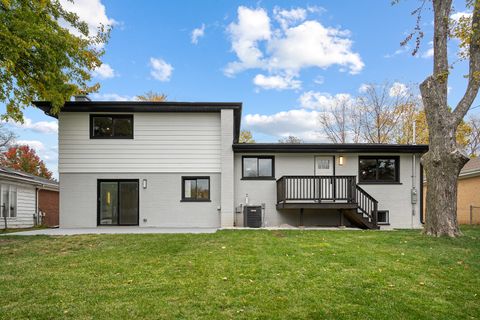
x: 25, y: 206
x: 163, y: 142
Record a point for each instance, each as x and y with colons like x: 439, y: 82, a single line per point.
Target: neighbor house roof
x: 147, y: 106
x: 19, y: 176
x: 471, y: 168
x: 329, y: 147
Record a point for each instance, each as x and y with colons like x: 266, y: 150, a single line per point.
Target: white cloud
x: 364, y: 87
x: 253, y: 26
x: 197, y: 33
x: 429, y: 52
x: 289, y: 17
x: 92, y: 12
x: 104, y: 71
x: 161, y: 70
x: 47, y: 127
x: 461, y: 14
x: 35, y: 144
x: 285, y: 50
x: 397, y: 89
x: 322, y: 101
x: 276, y: 82
x: 300, y: 123
x: 111, y: 97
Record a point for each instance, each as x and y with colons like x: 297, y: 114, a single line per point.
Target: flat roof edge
x: 326, y: 147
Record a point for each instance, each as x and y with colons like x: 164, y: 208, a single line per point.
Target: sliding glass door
x: 118, y: 202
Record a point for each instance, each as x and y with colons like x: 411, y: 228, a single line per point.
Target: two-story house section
x: 179, y: 164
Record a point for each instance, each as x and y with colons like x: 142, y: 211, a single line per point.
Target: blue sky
x: 283, y: 59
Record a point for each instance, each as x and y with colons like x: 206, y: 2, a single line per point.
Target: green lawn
x: 242, y: 274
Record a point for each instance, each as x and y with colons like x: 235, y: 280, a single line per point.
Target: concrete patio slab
x: 109, y: 230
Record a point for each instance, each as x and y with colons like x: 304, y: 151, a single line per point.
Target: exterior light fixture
x: 340, y: 160
x: 144, y: 183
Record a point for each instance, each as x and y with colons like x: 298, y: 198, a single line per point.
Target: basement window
x: 383, y: 217
x: 119, y: 126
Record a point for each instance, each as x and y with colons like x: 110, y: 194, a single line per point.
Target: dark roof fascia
x: 148, y: 106
x: 328, y: 148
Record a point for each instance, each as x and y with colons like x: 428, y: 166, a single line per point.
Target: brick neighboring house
x: 468, y: 196
x: 23, y: 197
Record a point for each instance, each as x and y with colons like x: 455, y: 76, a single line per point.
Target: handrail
x: 367, y: 205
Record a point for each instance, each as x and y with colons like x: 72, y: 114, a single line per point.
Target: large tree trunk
x: 442, y: 163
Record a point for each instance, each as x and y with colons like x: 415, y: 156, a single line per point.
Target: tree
x: 42, y: 60
x: 445, y: 158
x: 291, y: 139
x: 152, y: 96
x: 382, y: 110
x: 473, y: 145
x: 24, y: 158
x: 7, y: 137
x: 340, y: 121
x: 464, y: 131
x: 246, y: 137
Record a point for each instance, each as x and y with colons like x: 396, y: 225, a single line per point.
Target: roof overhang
x: 147, y: 106
x: 329, y: 148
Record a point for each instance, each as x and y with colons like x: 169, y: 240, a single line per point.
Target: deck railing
x: 316, y: 188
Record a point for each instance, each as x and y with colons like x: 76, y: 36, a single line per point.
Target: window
x: 195, y: 188
x: 258, y: 167
x: 118, y: 126
x: 379, y: 169
x: 8, y: 200
x: 383, y: 217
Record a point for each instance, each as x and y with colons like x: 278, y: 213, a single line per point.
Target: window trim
x: 183, y: 199
x: 10, y: 198
x: 387, y: 215
x: 117, y: 116
x: 397, y: 170
x: 272, y: 177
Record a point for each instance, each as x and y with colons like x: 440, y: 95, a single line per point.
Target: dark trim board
x: 99, y: 181
x: 310, y: 205
x: 328, y: 148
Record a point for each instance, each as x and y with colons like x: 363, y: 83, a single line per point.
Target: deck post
x: 342, y: 222
x: 301, y: 218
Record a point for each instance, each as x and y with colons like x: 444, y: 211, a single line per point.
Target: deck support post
x: 342, y: 222
x: 301, y: 218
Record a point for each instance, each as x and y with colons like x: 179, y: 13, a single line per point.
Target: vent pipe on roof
x: 81, y: 97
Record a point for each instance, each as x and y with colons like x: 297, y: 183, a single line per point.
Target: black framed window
x: 379, y: 169
x: 195, y: 188
x: 118, y: 126
x: 258, y: 167
x: 383, y: 217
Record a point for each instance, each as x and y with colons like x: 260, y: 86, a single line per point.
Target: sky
x: 284, y: 60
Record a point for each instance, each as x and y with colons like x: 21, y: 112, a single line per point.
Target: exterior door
x: 118, y: 202
x: 325, y: 184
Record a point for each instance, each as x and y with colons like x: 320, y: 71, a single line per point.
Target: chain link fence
x: 474, y: 215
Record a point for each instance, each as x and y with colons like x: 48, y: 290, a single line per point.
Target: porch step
x: 357, y: 219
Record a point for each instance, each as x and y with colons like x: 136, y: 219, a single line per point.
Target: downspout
x: 35, y: 220
x: 414, y: 177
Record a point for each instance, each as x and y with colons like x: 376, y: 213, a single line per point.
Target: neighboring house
x: 177, y: 164
x: 468, y: 194
x: 22, y: 196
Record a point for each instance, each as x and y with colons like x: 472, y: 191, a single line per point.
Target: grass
x: 242, y: 275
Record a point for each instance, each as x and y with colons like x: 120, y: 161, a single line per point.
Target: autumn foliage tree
x: 24, y: 158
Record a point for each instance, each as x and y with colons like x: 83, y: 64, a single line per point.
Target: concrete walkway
x: 108, y: 230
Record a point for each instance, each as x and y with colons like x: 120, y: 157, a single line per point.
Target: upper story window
x: 258, y: 167
x: 8, y: 200
x: 118, y: 126
x: 379, y: 169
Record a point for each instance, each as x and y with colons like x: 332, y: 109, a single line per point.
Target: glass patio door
x: 118, y: 202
